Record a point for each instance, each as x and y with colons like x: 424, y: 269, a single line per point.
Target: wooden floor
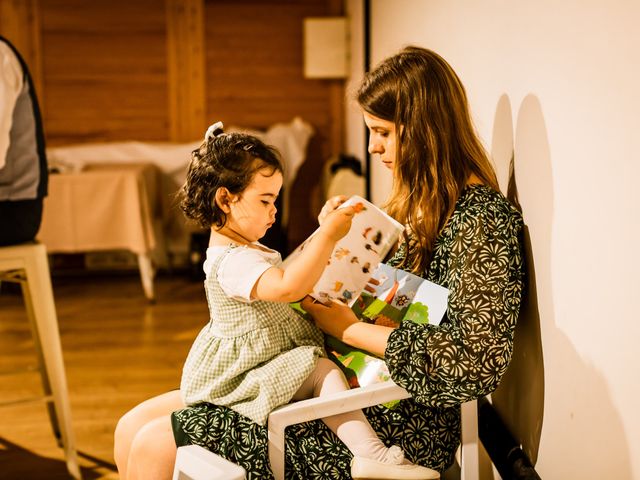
x: 118, y: 350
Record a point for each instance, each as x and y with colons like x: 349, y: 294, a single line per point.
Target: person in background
x: 23, y: 161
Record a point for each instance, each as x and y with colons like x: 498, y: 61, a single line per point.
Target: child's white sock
x: 352, y: 428
x: 356, y: 433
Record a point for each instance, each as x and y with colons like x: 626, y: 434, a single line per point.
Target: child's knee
x: 142, y: 442
x: 123, y: 429
x: 328, y: 378
x: 127, y: 425
x: 153, y: 449
x: 145, y: 443
x: 328, y: 369
x: 126, y: 429
x: 325, y: 365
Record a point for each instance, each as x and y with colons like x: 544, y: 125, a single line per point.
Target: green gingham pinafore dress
x: 250, y: 357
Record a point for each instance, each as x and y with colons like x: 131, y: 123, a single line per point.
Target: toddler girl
x: 256, y: 353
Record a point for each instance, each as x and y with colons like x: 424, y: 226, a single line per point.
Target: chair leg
x: 46, y: 322
x: 146, y: 275
x: 46, y: 385
x: 469, y: 461
x: 276, y: 454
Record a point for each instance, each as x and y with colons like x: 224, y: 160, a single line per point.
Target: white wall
x: 567, y: 76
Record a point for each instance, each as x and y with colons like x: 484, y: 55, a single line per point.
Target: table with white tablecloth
x: 105, y: 207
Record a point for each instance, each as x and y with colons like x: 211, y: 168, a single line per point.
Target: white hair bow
x: 213, y: 131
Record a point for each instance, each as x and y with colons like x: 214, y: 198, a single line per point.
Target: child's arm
x: 278, y: 285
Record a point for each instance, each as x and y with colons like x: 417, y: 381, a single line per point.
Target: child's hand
x: 337, y: 223
x: 330, y: 206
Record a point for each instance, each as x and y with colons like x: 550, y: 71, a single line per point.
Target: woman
x: 461, y: 233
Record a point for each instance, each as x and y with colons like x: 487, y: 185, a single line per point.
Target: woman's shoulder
x: 481, y: 202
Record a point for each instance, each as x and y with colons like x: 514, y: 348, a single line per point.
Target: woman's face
x: 382, y: 139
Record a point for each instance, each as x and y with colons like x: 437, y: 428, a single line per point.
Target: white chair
x: 357, y: 398
x: 28, y: 265
x: 196, y: 463
x: 469, y: 446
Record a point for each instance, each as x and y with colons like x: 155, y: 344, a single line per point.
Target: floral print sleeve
x: 478, y: 258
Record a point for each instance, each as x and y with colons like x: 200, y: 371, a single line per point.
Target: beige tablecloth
x: 104, y: 207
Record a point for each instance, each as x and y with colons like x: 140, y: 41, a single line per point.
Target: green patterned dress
x: 478, y: 258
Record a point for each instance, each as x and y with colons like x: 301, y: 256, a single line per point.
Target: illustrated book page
x: 357, y: 255
x: 400, y: 296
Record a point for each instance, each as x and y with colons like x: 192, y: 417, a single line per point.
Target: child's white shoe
x: 390, y: 468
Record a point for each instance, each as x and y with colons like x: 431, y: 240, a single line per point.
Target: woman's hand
x: 330, y: 206
x: 332, y: 318
x: 339, y: 321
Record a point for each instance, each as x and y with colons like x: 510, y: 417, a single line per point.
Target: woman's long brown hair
x: 437, y: 145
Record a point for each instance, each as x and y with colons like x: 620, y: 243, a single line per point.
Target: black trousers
x: 19, y: 221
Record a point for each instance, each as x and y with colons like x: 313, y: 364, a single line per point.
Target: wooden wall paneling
x: 254, y: 63
x: 104, y: 70
x: 255, y: 79
x: 186, y: 69
x: 20, y: 23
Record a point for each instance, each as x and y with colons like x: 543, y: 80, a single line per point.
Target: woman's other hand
x: 332, y: 318
x: 339, y: 321
x: 330, y: 205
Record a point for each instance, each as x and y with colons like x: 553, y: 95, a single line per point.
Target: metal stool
x: 28, y: 265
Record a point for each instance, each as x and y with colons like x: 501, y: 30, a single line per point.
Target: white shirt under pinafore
x: 252, y: 356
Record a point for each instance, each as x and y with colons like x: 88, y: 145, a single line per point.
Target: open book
x: 399, y: 297
x: 357, y: 255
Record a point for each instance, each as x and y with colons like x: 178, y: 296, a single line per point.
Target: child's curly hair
x: 227, y: 160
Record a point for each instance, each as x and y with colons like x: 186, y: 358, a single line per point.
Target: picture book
x: 400, y: 296
x: 357, y: 255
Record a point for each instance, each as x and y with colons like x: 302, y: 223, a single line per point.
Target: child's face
x: 253, y: 212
